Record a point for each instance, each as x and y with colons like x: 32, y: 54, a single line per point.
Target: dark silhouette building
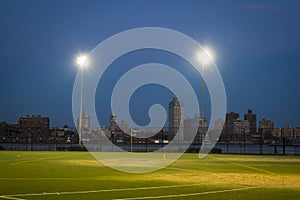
x: 265, y: 128
x: 117, y: 135
x: 8, y: 131
x: 229, y: 123
x: 175, y: 117
x: 113, y: 123
x: 34, y: 125
x: 251, y: 118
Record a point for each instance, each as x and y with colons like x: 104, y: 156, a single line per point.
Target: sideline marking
x: 15, y: 159
x: 98, y: 191
x: 13, y: 198
x: 246, y: 166
x: 190, y: 194
x: 37, y: 159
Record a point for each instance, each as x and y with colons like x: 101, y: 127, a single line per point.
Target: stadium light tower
x: 205, y: 57
x: 82, y: 64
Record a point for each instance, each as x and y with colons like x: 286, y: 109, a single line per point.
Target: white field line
x: 244, y: 165
x: 98, y: 191
x: 36, y: 159
x: 189, y: 194
x: 12, y: 198
x: 15, y: 159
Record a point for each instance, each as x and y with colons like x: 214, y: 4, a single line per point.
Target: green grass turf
x: 77, y: 175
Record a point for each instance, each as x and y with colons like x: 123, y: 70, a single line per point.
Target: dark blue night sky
x: 257, y: 47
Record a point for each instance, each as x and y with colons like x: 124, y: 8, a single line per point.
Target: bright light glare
x: 81, y: 61
x: 205, y: 56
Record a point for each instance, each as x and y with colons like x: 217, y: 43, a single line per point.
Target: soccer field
x: 77, y: 175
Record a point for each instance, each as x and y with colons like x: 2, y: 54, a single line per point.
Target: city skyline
x: 34, y: 130
x: 257, y: 53
x: 236, y: 115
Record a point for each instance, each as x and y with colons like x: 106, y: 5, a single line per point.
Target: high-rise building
x: 190, y: 126
x: 265, y: 128
x: 124, y: 126
x: 113, y: 123
x: 8, y: 130
x: 251, y: 118
x: 175, y: 117
x: 297, y: 135
x: 34, y: 125
x: 85, y: 121
x: 287, y: 132
x: 235, y: 129
x: 197, y: 116
x: 230, y: 119
x: 276, y: 133
x: 265, y: 124
x: 219, y: 124
x: 117, y: 135
x: 241, y: 127
x: 290, y: 134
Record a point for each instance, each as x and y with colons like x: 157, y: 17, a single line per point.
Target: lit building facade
x: 265, y: 128
x: 85, y: 121
x: 34, y: 124
x: 175, y: 118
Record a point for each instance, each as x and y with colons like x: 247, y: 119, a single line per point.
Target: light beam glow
x: 82, y: 61
x: 206, y: 56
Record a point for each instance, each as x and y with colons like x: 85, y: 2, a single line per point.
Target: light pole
x: 205, y: 56
x: 81, y: 62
